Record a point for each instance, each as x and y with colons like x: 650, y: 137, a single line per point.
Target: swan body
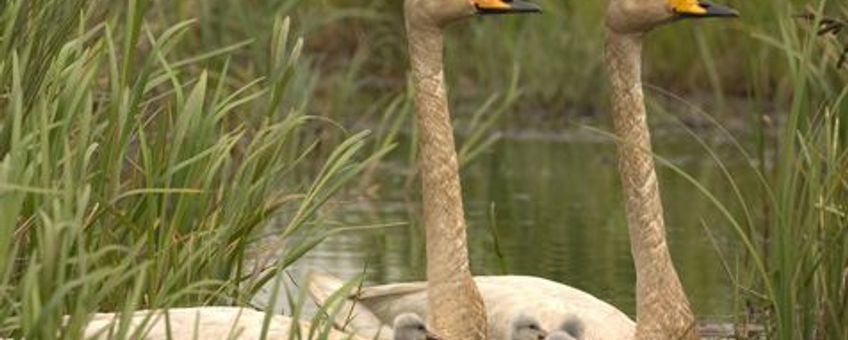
x: 202, y: 323
x: 505, y: 298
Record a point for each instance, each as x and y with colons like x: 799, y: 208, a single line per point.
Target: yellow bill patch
x: 686, y: 7
x: 491, y: 4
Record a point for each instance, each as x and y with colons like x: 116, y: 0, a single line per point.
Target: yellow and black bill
x: 505, y: 6
x: 701, y: 9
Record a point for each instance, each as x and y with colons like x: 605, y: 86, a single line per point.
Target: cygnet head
x: 409, y: 326
x: 572, y: 325
x: 571, y: 329
x: 525, y: 327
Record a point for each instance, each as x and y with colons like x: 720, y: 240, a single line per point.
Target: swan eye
x: 422, y: 328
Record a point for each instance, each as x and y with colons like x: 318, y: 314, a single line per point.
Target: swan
x: 458, y: 311
x: 662, y: 309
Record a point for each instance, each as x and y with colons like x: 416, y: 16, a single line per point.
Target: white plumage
x: 204, y: 323
x: 505, y: 297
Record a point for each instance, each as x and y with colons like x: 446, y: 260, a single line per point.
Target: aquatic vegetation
x: 793, y: 230
x: 135, y: 177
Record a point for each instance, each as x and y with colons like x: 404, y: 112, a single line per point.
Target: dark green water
x: 559, y: 215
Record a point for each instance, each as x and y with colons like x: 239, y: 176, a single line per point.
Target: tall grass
x: 807, y: 245
x: 134, y: 176
x: 794, y: 229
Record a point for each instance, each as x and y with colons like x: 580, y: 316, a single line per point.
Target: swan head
x: 409, y: 326
x: 443, y: 12
x: 641, y: 16
x: 525, y: 327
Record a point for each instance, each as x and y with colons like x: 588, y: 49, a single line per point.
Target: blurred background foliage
x: 558, y: 52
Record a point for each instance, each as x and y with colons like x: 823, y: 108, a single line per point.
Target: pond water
x: 558, y: 214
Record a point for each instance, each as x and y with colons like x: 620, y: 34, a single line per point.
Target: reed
x: 135, y: 176
x: 793, y: 230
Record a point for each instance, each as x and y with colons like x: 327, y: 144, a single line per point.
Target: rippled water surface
x: 557, y: 212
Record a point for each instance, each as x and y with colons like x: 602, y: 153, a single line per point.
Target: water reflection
x: 558, y: 215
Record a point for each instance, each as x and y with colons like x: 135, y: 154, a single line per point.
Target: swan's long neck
x: 455, y: 306
x: 662, y: 310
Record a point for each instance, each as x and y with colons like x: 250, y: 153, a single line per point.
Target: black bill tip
x: 713, y: 11
x: 514, y: 7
